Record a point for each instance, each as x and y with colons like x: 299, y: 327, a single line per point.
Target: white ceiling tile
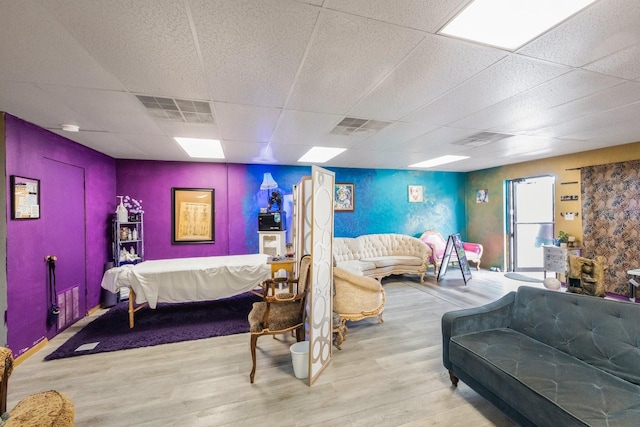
x: 503, y: 80
x: 424, y: 76
x: 312, y: 2
x: 623, y: 63
x: 245, y: 122
x: 157, y: 147
x: 348, y: 56
x: 36, y: 48
x: 299, y: 127
x: 189, y: 130
x: 585, y: 128
x: 623, y: 94
x: 111, y: 144
x: 564, y: 89
x: 393, y: 136
x: 252, y: 49
x: 439, y: 137
x: 28, y: 102
x: 242, y: 152
x: 621, y: 121
x: 134, y: 41
x: 427, y: 16
x: 119, y: 112
x: 601, y: 29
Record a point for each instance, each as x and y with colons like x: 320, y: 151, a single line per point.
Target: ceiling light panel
x: 438, y: 161
x: 201, y: 148
x: 320, y: 154
x: 510, y: 24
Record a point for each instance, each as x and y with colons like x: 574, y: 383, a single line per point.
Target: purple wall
x: 26, y: 148
x: 152, y: 181
x: 238, y: 200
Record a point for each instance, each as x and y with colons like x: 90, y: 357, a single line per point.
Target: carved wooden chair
x: 48, y: 408
x: 280, y: 313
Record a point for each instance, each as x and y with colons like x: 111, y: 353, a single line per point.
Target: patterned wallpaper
x: 611, y: 220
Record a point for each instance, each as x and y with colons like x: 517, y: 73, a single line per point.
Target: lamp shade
x: 268, y: 182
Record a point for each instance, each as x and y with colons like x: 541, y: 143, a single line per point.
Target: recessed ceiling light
x: 438, y: 161
x: 509, y: 24
x: 201, y: 148
x: 320, y: 154
x: 70, y: 128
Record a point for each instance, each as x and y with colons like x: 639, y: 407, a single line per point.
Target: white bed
x: 180, y: 280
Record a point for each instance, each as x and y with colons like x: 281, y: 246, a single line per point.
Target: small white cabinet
x: 556, y: 259
x: 272, y: 243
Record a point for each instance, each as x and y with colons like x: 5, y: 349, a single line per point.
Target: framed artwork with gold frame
x: 192, y: 215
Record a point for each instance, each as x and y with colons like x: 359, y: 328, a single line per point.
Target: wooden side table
x: 286, y: 264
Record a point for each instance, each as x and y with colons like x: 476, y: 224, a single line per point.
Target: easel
x: 455, y: 242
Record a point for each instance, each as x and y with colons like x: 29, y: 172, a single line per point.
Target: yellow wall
x: 486, y: 221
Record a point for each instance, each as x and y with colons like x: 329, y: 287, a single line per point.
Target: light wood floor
x: 387, y: 374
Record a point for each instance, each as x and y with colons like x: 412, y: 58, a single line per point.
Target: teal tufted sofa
x: 550, y: 358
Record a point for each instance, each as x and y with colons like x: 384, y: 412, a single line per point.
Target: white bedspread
x: 189, y: 279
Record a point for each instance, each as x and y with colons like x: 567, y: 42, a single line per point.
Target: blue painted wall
x: 381, y: 200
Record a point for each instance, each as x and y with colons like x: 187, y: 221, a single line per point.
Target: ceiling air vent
x: 351, y: 125
x: 482, y: 138
x: 177, y: 110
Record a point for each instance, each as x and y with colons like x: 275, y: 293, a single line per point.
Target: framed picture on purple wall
x: 343, y: 196
x: 25, y: 198
x: 192, y: 215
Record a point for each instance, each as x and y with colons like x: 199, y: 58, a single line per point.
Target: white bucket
x: 300, y: 359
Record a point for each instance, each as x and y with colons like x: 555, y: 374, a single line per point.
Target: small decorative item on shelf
x: 563, y: 239
x: 135, y: 208
x: 124, y: 233
x: 121, y: 211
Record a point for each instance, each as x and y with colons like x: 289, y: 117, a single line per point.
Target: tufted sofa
x: 550, y: 358
x: 381, y: 255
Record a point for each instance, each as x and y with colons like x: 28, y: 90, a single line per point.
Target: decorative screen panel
x: 321, y: 301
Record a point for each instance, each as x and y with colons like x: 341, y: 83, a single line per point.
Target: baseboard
x: 27, y: 354
x: 94, y: 309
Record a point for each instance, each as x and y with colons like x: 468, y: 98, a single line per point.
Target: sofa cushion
x: 393, y: 260
x: 600, y: 332
x: 548, y: 386
x: 357, y: 267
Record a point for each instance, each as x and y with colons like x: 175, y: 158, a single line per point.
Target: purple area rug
x: 166, y: 324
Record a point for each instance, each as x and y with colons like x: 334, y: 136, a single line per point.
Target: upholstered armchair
x: 47, y: 408
x: 357, y: 297
x: 280, y: 313
x: 437, y: 243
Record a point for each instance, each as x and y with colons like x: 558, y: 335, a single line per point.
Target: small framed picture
x: 343, y: 197
x: 482, y: 196
x: 415, y: 194
x: 25, y: 198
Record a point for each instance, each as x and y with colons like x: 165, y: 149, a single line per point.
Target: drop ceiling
x: 281, y: 76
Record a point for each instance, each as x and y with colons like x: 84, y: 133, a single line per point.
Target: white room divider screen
x: 321, y: 301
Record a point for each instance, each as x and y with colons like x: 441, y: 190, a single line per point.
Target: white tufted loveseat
x: 380, y: 255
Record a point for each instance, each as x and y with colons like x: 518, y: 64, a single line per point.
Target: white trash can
x: 300, y: 359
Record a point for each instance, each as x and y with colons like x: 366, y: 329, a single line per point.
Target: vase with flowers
x: 134, y: 207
